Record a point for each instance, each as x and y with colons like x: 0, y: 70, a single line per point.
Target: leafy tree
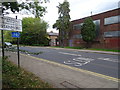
x: 8, y: 37
x: 88, y: 31
x: 13, y: 6
x: 34, y: 31
x: 63, y: 22
x: 34, y: 7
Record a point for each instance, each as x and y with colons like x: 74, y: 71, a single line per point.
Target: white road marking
x: 108, y: 59
x: 79, y: 61
x: 87, y: 59
x: 70, y: 54
x: 68, y: 62
x: 77, y: 64
x: 83, y: 60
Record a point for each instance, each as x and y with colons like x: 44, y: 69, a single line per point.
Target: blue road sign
x: 16, y: 34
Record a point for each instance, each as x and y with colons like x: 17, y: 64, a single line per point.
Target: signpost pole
x: 18, y: 50
x: 3, y: 55
x: 2, y: 36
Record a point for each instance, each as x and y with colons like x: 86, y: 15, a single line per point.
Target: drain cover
x: 68, y: 85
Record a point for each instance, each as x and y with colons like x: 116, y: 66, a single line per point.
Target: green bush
x: 14, y: 77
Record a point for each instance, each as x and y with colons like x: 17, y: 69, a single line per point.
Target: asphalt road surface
x: 105, y: 64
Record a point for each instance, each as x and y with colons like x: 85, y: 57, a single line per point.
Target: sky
x: 78, y: 9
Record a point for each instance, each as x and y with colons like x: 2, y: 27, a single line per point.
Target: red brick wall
x: 112, y: 43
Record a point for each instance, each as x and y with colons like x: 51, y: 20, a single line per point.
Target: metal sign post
x: 2, y: 36
x: 3, y: 56
x: 18, y: 48
x: 18, y: 52
x: 17, y: 35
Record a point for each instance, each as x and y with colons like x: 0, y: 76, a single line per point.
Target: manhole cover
x: 67, y: 84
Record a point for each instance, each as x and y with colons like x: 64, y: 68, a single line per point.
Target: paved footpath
x: 62, y: 76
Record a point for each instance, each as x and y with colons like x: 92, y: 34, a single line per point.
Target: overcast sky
x: 78, y: 9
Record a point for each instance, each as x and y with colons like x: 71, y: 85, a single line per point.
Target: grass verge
x: 104, y: 50
x: 14, y: 77
x: 68, y: 47
x: 23, y: 51
x: 89, y: 49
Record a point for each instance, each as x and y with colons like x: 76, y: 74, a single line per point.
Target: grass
x: 89, y: 48
x: 104, y: 49
x: 14, y: 77
x: 68, y: 47
x: 34, y: 53
x: 74, y: 47
x: 24, y: 51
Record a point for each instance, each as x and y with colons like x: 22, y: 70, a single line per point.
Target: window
x: 77, y: 26
x: 112, y: 34
x: 97, y: 24
x: 77, y: 36
x: 112, y: 20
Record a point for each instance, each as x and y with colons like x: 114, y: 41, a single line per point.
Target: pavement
x: 63, y: 76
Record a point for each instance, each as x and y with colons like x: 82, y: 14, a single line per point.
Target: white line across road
x: 70, y: 54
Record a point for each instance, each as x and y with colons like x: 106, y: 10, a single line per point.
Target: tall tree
x: 63, y: 22
x: 34, y: 31
x: 88, y: 31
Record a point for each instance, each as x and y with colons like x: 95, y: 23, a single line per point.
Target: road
x: 105, y: 64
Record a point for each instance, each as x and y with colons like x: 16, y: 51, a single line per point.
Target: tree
x: 34, y: 31
x: 34, y: 7
x: 88, y: 31
x: 8, y: 37
x: 63, y: 22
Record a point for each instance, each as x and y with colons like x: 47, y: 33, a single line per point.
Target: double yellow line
x: 77, y: 69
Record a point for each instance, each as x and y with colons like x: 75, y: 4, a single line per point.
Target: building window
x: 112, y: 34
x: 112, y: 20
x: 78, y: 36
x: 97, y: 24
x: 77, y: 26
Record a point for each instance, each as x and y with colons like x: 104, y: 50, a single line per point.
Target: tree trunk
x: 88, y: 45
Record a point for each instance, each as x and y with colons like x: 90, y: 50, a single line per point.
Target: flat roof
x: 95, y: 14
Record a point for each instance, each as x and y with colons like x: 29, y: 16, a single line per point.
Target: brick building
x: 53, y: 39
x: 107, y: 30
